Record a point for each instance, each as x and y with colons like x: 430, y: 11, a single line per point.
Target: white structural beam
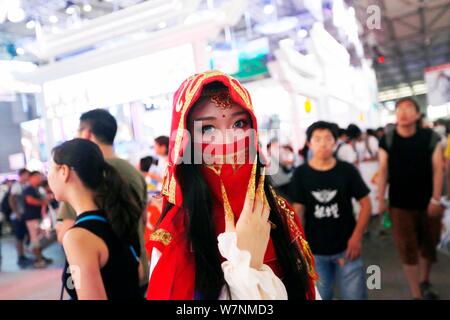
x: 106, y: 56
x: 132, y: 19
x: 196, y: 33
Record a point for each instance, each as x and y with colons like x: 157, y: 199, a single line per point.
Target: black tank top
x: 410, y: 169
x: 120, y: 274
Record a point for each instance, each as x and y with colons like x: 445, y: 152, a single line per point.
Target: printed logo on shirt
x: 324, y: 196
x: 325, y: 211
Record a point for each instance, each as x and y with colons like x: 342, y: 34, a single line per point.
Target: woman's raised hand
x: 253, y: 227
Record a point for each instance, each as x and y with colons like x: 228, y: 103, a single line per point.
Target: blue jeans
x: 350, y: 277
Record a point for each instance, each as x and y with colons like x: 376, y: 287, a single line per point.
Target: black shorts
x: 19, y: 228
x: 31, y: 216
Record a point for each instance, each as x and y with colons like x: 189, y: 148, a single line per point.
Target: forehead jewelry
x: 221, y: 98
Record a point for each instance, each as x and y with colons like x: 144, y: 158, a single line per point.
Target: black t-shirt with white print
x: 327, y: 198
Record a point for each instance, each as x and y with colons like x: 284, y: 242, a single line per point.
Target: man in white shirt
x: 344, y: 150
x: 162, y: 151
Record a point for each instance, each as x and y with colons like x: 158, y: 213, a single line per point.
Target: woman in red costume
x: 224, y: 233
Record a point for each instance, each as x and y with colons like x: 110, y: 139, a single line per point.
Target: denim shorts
x: 351, y: 277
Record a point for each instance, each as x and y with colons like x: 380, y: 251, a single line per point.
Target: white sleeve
x: 373, y: 144
x: 347, y: 154
x: 318, y: 297
x: 244, y: 282
x: 16, y: 189
x: 156, y: 254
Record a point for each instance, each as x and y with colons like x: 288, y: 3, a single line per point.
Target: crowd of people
x: 279, y: 225
x: 342, y: 186
x: 26, y: 204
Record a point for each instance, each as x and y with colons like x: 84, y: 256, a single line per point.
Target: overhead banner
x: 437, y: 79
x: 246, y: 61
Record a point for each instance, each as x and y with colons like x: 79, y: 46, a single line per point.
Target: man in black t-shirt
x: 322, y: 191
x: 412, y: 158
x: 34, y: 204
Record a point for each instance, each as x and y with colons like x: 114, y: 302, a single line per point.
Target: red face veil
x: 174, y: 275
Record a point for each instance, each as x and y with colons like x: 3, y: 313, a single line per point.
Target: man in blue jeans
x: 322, y: 191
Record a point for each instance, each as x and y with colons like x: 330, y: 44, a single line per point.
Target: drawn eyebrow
x: 205, y: 118
x: 238, y: 113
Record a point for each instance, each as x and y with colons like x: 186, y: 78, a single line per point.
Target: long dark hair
x: 112, y: 194
x: 209, y: 278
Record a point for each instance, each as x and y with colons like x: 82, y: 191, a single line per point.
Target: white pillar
x: 200, y: 55
x: 49, y: 138
x: 295, y: 120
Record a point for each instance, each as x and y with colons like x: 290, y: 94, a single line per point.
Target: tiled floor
x: 45, y: 284
x: 29, y: 283
x: 381, y: 252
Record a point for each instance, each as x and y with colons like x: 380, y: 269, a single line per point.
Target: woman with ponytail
x: 102, y: 248
x: 224, y: 232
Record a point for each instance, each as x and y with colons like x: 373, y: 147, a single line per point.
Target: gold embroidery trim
x: 260, y: 190
x: 216, y: 169
x: 165, y: 183
x: 162, y: 236
x: 242, y: 94
x: 303, y: 244
x: 252, y: 183
x: 229, y: 215
x: 230, y: 158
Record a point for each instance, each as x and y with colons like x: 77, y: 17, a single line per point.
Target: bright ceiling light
x: 351, y: 11
x: 269, y: 9
x: 16, y: 14
x: 70, y: 10
x: 282, y: 25
x: 20, y: 51
x: 302, y: 33
x: 162, y: 25
x: 87, y: 7
x: 53, y: 19
x: 31, y: 24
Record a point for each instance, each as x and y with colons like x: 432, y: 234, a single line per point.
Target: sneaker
x: 39, y: 264
x: 47, y: 260
x: 427, y: 293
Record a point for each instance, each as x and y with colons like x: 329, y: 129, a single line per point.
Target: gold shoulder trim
x: 298, y: 238
x: 162, y: 236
